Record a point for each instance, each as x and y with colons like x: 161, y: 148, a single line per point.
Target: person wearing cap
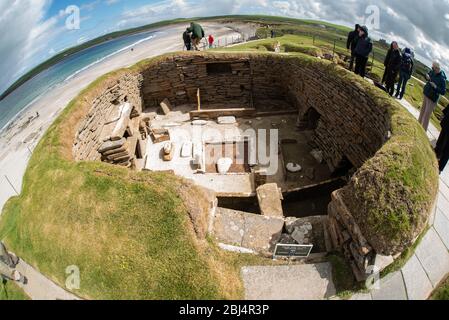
x: 362, y: 51
x: 352, y: 43
x: 405, y: 72
x: 442, y: 148
x: 434, y: 88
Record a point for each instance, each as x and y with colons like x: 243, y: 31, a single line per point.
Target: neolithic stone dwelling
x: 392, y: 177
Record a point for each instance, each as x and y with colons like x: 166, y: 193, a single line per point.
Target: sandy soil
x: 18, y: 142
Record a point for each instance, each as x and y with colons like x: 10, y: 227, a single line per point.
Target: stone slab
x: 270, y: 203
x: 229, y: 227
x: 361, y: 297
x: 392, y: 287
x: 301, y: 282
x: 434, y: 257
x: 441, y: 226
x: 262, y: 233
x: 417, y: 283
x: 443, y: 204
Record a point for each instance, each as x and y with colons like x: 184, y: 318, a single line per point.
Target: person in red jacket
x: 211, y: 41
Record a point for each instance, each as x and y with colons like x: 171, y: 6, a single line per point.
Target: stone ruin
x: 341, y: 124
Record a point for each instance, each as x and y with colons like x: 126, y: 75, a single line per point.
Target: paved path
x: 41, y: 288
x: 297, y: 282
x: 429, y: 266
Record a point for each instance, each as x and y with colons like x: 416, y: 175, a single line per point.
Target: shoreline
x: 19, y: 138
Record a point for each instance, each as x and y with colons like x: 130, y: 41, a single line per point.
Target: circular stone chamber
x: 339, y: 154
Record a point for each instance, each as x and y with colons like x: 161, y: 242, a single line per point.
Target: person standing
x: 362, y: 51
x: 392, y: 65
x: 272, y: 33
x: 187, y: 40
x: 8, y: 263
x: 386, y: 61
x: 211, y: 41
x: 435, y: 86
x: 442, y: 148
x: 353, y: 36
x: 197, y: 34
x: 405, y: 72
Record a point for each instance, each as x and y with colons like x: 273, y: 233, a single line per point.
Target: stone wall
x: 351, y: 123
x: 94, y: 129
x: 351, y: 127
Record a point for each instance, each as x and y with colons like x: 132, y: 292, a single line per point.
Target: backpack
x: 406, y: 63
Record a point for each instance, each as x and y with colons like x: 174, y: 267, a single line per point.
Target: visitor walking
x: 8, y: 263
x: 198, y: 34
x: 187, y: 40
x: 211, y: 41
x: 353, y: 36
x: 435, y: 86
x: 272, y: 33
x: 442, y: 148
x: 362, y: 51
x: 392, y: 65
x: 405, y: 72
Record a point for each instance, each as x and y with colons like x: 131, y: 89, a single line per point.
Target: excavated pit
x: 177, y: 113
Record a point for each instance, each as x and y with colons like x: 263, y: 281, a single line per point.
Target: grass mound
x: 129, y: 233
x: 10, y: 291
x: 392, y: 194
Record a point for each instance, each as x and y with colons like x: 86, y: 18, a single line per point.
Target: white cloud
x: 29, y: 35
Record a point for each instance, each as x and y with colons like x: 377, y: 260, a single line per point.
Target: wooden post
x: 199, y: 99
x: 333, y: 52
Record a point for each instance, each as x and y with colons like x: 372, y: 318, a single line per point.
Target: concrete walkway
x: 296, y: 282
x: 41, y: 288
x: 429, y: 266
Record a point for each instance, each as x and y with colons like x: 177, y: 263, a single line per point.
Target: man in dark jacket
x: 362, y: 51
x: 435, y: 86
x: 392, y: 65
x: 197, y: 34
x: 442, y: 149
x: 187, y: 40
x: 405, y: 73
x: 351, y: 44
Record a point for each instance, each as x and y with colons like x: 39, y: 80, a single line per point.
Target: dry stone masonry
x: 349, y: 127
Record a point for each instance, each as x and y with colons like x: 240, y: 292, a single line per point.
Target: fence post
x: 333, y: 51
x: 12, y: 186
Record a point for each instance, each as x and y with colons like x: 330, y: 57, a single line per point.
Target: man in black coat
x: 353, y: 36
x: 362, y: 51
x: 442, y: 149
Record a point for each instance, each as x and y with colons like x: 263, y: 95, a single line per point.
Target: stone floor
x: 297, y: 282
x: 426, y: 269
x: 181, y: 130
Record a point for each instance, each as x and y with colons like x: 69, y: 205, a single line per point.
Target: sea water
x: 24, y: 96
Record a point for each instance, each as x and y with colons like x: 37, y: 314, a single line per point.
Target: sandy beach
x: 23, y: 134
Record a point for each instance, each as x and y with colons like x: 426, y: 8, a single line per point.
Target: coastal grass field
x: 10, y: 291
x: 314, y: 38
x: 130, y: 233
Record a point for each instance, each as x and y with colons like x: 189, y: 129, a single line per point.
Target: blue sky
x: 38, y: 27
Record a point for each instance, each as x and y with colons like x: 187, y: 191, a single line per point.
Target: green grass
x: 10, y: 291
x: 344, y: 280
x: 442, y: 292
x: 392, y: 194
x: 129, y: 233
